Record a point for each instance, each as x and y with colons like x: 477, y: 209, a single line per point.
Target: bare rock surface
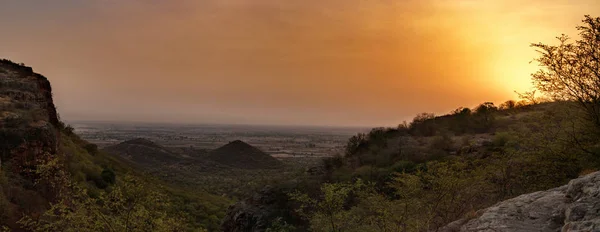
x: 573, y: 207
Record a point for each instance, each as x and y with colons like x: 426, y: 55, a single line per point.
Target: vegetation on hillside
x: 92, y: 186
x: 235, y: 170
x: 425, y: 174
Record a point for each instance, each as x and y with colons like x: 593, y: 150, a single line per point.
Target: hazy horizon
x: 268, y: 62
x: 233, y: 124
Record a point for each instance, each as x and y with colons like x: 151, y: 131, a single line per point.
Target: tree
x: 461, y: 111
x: 423, y: 124
x: 528, y: 97
x: 422, y: 117
x: 508, y: 105
x: 485, y: 113
x: 129, y: 206
x: 327, y: 213
x: 571, y: 70
x: 354, y: 143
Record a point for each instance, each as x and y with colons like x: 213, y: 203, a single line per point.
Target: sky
x: 309, y: 62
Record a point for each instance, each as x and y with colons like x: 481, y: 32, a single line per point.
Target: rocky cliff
x: 28, y: 117
x: 573, y: 207
x: 28, y: 136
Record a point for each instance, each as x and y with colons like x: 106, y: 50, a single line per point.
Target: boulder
x: 573, y: 207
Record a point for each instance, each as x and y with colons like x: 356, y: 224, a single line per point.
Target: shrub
x: 443, y: 143
x: 91, y: 148
x: 510, y: 104
x: 501, y: 139
x: 423, y: 125
x: 404, y: 166
x: 334, y: 162
x: 108, y: 175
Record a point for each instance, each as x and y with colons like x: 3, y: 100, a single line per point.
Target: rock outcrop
x: 573, y: 207
x: 29, y: 136
x: 28, y: 117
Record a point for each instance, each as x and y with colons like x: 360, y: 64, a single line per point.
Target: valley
x: 279, y: 141
x: 183, y: 154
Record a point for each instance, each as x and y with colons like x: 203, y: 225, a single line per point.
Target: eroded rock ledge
x: 573, y: 207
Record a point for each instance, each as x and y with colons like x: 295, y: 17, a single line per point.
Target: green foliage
x: 279, y: 225
x: 91, y: 148
x: 420, y: 201
x: 354, y: 143
x: 420, y: 183
x: 502, y: 138
x: 327, y: 213
x: 442, y: 142
x: 108, y: 175
x: 74, y: 188
x: 128, y: 207
x: 404, y: 166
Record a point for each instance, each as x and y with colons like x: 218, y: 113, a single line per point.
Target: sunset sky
x: 301, y: 62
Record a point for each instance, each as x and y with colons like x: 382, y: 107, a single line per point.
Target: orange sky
x: 312, y: 62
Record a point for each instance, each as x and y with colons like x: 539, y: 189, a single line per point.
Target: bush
x: 423, y: 125
x: 108, y: 175
x: 442, y: 143
x: 404, y: 166
x: 334, y: 162
x: 501, y: 139
x: 508, y: 105
x: 69, y: 130
x: 91, y: 148
x: 279, y: 225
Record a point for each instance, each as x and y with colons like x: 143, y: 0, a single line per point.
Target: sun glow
x: 514, y: 74
x: 330, y: 62
x: 502, y: 36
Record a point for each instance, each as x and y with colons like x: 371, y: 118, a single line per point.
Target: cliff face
x: 573, y: 207
x: 28, y: 117
x: 28, y: 137
x: 19, y: 84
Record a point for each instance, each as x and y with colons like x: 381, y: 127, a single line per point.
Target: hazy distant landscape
x: 279, y: 141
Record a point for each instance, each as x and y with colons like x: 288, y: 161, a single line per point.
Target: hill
x: 242, y: 155
x: 144, y: 152
x: 422, y: 175
x: 236, y: 171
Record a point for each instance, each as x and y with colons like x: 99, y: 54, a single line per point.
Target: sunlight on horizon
x: 335, y: 62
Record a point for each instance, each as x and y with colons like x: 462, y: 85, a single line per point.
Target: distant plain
x: 279, y: 141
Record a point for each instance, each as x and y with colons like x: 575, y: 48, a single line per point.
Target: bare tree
x: 571, y: 70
